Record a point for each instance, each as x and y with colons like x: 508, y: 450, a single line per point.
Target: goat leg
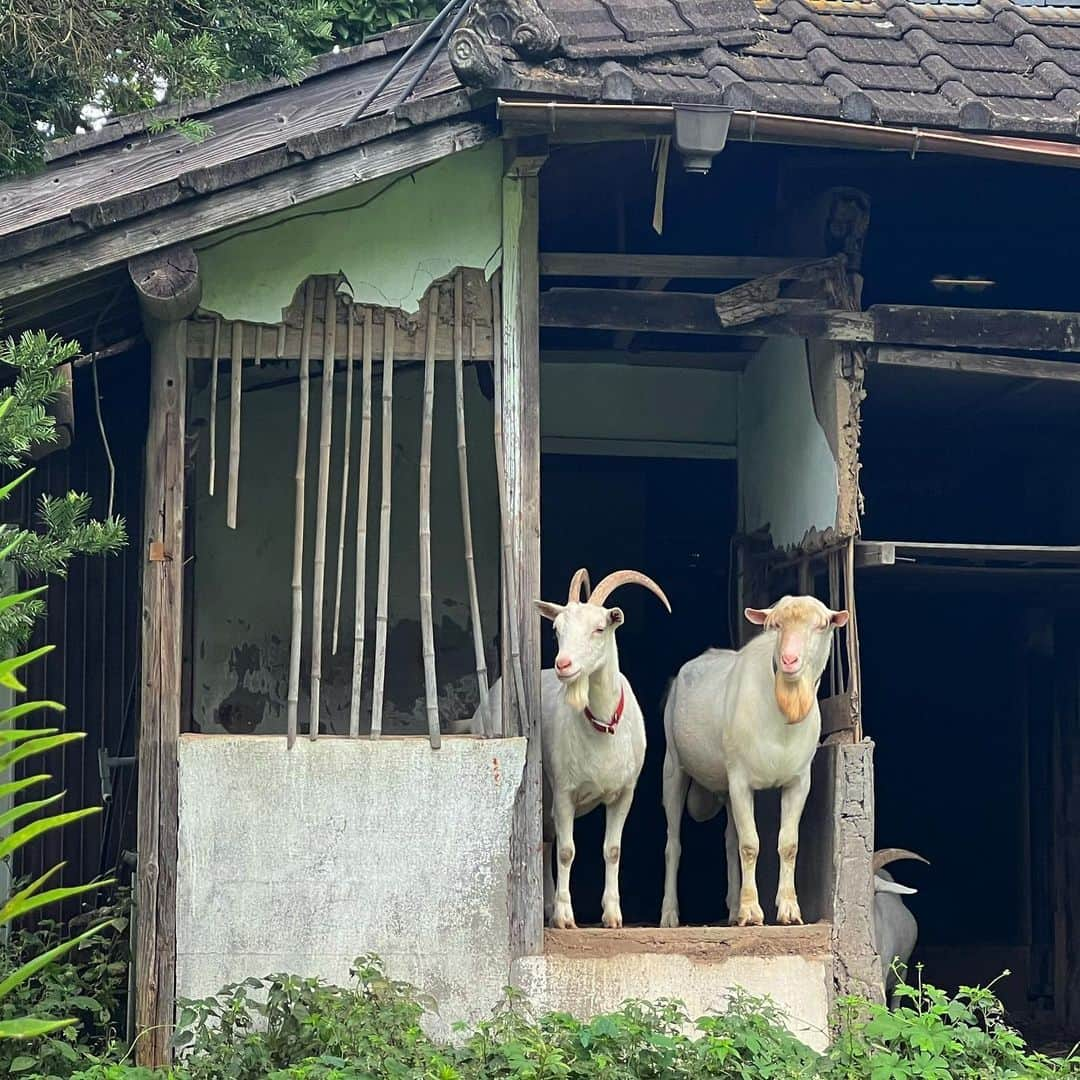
x: 549, y: 883
x: 676, y: 784
x: 792, y: 801
x: 741, y: 802
x: 616, y: 819
x: 734, y: 882
x: 562, y: 917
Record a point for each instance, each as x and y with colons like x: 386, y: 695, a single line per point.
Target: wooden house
x: 392, y: 352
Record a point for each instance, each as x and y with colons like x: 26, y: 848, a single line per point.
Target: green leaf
x: 21, y: 1064
x: 12, y: 599
x: 15, y: 663
x: 30, y: 832
x: 17, y: 712
x: 20, y: 905
x: 26, y: 1027
x: 38, y: 746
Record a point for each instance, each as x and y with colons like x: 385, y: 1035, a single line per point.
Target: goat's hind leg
x: 676, y: 784
x: 734, y: 876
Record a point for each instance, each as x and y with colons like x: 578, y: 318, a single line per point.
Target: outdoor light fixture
x: 947, y: 283
x: 700, y: 134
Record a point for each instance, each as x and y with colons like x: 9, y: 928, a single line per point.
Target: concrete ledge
x: 703, y: 943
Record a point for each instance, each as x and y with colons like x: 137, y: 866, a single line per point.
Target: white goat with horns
x: 740, y: 722
x: 895, y: 928
x: 592, y: 734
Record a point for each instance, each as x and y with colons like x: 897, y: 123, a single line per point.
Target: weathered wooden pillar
x: 521, y: 432
x: 168, y: 288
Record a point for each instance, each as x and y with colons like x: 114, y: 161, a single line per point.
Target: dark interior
x: 653, y: 519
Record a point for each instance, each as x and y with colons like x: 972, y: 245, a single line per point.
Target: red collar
x: 609, y: 728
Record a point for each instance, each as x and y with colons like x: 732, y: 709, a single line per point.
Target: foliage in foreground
x: 290, y: 1028
x: 66, y: 528
x: 120, y: 56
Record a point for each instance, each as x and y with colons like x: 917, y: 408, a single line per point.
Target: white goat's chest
x: 593, y: 767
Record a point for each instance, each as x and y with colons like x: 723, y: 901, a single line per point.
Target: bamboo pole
x: 326, y: 433
x: 382, y: 603
x: 298, y: 518
x: 466, y: 514
x: 215, y: 352
x: 349, y: 357
x: 510, y: 579
x: 427, y: 629
x: 235, y: 390
x: 361, y: 528
x: 258, y: 345
x: 279, y: 347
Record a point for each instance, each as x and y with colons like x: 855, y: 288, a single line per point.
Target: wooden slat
x: 162, y: 625
x: 694, y: 313
x: 618, y: 264
x: 886, y: 553
x: 836, y: 715
x: 245, y: 202
x: 1017, y: 367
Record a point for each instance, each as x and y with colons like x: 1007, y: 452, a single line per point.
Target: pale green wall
x: 390, y: 238
x: 787, y: 473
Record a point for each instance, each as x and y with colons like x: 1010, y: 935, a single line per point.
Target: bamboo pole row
x: 326, y: 430
x: 427, y: 630
x: 236, y: 370
x: 293, y: 704
x: 215, y: 353
x: 382, y: 601
x: 509, y: 563
x: 344, y: 504
x: 361, y: 528
x: 466, y: 513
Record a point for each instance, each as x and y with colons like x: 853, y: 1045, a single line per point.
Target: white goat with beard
x: 592, y: 735
x: 740, y: 722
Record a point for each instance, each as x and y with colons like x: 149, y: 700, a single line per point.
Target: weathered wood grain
x: 162, y: 627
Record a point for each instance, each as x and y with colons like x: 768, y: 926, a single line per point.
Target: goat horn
x: 580, y: 578
x: 626, y: 577
x: 887, y: 855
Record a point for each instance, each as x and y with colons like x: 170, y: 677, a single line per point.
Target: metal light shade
x: 700, y: 134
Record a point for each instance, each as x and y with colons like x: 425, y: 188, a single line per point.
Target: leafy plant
x: 19, y: 745
x: 67, y: 529
x: 89, y: 984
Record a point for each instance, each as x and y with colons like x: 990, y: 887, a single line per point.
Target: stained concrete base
x: 585, y: 972
x: 302, y: 860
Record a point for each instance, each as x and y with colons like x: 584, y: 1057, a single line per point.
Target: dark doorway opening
x: 673, y: 519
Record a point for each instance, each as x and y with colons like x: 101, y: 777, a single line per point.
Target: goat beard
x: 795, y: 698
x: 577, y: 693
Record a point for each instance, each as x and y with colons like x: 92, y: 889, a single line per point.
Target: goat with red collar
x: 593, y: 736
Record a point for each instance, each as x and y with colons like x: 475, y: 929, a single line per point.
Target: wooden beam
x: 694, y: 313
x: 726, y: 360
x: 1018, y: 367
x: 624, y: 338
x: 687, y: 313
x: 167, y: 283
x: 893, y: 552
x: 159, y: 726
x: 760, y: 298
x: 521, y: 396
x: 396, y: 153
x: 617, y: 264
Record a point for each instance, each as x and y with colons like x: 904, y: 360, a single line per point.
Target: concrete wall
x: 303, y: 860
x: 787, y: 472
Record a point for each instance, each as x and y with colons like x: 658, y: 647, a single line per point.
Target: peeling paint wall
x: 390, y: 238
x: 787, y: 472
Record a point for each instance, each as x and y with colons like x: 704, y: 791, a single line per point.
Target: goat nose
x: 789, y: 659
x: 562, y: 663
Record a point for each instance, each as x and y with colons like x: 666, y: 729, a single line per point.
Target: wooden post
x: 521, y: 433
x: 166, y: 299
x: 427, y: 629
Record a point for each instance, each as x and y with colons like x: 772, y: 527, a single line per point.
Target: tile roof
x: 976, y: 65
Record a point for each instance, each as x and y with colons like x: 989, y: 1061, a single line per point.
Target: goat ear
x: 615, y: 616
x: 549, y: 610
x: 757, y: 615
x: 838, y: 618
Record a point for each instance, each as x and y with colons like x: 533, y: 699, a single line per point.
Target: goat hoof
x: 788, y: 913
x: 613, y: 921
x: 669, y: 920
x: 750, y: 915
x: 563, y: 919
